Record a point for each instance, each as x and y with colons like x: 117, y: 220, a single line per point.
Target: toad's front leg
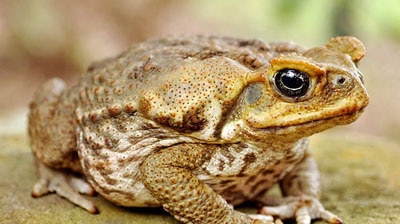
x: 301, y: 188
x: 167, y: 175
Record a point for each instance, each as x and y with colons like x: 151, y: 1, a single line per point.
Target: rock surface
x: 360, y: 181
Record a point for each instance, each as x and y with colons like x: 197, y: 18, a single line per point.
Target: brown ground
x: 360, y: 182
x: 40, y: 40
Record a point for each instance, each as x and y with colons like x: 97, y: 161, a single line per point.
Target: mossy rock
x: 360, y: 181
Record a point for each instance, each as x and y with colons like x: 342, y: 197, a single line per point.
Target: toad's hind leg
x: 52, y: 131
x: 65, y: 185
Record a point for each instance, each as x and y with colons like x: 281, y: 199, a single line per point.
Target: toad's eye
x: 291, y: 82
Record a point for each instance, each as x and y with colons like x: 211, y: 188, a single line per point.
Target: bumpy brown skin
x: 196, y: 125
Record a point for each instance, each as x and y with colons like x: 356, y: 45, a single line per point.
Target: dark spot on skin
x: 111, y: 181
x: 225, y: 182
x: 261, y: 183
x: 108, y: 143
x: 230, y: 189
x: 221, y: 165
x: 94, y: 116
x: 218, y: 130
x: 290, y: 156
x: 245, y: 43
x: 162, y: 120
x: 227, y: 153
x: 209, y: 53
x: 137, y: 73
x: 267, y: 172
x: 261, y: 46
x: 242, y: 145
x: 248, y: 159
x: 250, y: 180
x: 191, y: 121
x: 151, y: 66
x: 276, y: 176
x: 114, y: 111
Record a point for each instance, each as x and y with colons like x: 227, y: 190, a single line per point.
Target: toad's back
x: 171, y: 81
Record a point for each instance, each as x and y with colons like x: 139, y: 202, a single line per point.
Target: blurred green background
x: 40, y: 39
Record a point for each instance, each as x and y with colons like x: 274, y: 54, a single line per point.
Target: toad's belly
x: 238, y: 189
x: 241, y: 172
x: 112, y: 152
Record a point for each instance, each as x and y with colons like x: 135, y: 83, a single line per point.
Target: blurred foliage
x: 77, y: 32
x: 287, y: 9
x: 46, y: 38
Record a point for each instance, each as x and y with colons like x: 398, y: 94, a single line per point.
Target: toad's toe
x: 303, y: 209
x: 65, y: 185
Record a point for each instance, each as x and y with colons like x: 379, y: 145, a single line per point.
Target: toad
x: 198, y: 125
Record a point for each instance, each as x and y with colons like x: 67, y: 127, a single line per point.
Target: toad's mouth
x: 314, y: 126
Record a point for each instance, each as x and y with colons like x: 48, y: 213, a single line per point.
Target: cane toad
x: 198, y: 125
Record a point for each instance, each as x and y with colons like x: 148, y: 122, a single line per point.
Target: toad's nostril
x: 341, y: 81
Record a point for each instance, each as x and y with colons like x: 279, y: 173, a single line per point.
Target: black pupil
x: 291, y: 82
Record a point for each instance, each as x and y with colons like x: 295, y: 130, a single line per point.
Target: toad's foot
x: 65, y: 185
x: 262, y: 219
x: 303, y: 209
